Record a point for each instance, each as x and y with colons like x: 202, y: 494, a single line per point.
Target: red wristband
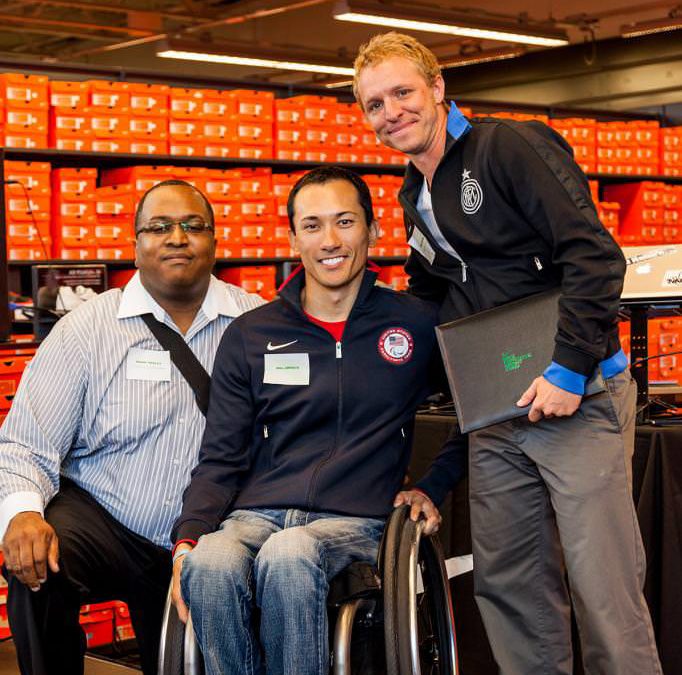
x: 183, y: 541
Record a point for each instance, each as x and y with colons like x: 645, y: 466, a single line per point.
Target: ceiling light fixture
x: 483, y: 56
x: 648, y: 27
x: 253, y: 56
x: 432, y: 21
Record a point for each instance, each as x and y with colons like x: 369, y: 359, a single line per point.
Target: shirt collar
x: 458, y: 125
x: 137, y: 300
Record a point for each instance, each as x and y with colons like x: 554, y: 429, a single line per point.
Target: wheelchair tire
x: 388, y: 570
x: 425, y: 621
x: 172, y: 649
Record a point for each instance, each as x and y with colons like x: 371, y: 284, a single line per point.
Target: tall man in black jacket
x: 495, y: 211
x: 306, y: 445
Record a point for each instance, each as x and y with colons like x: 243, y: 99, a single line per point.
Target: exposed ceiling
x: 126, y: 34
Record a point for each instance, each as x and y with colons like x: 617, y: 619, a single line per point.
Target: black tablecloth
x: 657, y: 488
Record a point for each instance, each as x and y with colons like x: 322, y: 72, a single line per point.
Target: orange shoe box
x: 141, y: 178
x: 78, y: 253
x: 148, y: 126
x: 73, y: 184
x: 112, y: 95
x: 24, y: 91
x: 20, y: 209
x: 27, y: 141
x: 257, y: 133
x: 69, y: 94
x: 149, y: 99
x: 107, y: 124
x: 254, y: 151
x: 193, y: 148
x: 185, y: 103
x: 217, y: 105
x: 27, y: 253
x: 213, y: 148
x: 103, y: 145
x: 115, y: 252
x: 26, y: 120
x: 73, y: 141
x: 254, y: 105
x: 115, y: 200
x: 35, y: 176
x: 75, y: 235
x: 142, y: 146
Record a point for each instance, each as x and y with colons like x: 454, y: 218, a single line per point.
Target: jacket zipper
x: 417, y: 218
x: 339, y: 413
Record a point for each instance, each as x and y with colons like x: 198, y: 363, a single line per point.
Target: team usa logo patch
x: 472, y: 195
x: 396, y: 345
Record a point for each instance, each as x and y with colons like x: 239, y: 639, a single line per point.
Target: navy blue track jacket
x: 338, y: 444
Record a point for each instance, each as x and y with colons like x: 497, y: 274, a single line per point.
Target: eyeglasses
x: 160, y: 226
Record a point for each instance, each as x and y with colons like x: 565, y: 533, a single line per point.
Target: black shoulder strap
x: 185, y: 360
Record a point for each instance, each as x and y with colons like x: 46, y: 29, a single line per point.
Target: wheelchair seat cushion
x: 358, y: 580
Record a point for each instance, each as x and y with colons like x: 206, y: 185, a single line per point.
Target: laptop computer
x: 492, y: 357
x: 653, y: 275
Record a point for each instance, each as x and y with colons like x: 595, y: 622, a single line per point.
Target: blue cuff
x: 565, y: 379
x: 614, y: 364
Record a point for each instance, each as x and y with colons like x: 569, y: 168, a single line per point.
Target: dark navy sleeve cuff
x: 565, y: 379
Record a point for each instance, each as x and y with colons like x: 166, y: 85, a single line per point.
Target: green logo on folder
x: 513, y: 362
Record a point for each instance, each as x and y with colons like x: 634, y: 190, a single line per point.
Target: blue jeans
x: 280, y: 561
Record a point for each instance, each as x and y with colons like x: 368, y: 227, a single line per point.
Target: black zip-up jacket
x: 526, y: 225
x: 339, y: 444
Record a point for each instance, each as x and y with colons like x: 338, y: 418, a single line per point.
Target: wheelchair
x: 408, y: 592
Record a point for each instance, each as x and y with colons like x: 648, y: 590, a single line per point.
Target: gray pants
x: 553, y: 498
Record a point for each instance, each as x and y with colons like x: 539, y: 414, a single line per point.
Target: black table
x: 657, y: 489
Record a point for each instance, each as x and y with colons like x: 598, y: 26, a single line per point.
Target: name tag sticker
x: 292, y: 369
x: 672, y: 278
x: 420, y: 243
x: 148, y: 364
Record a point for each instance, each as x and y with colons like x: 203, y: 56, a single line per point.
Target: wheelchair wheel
x: 388, y: 566
x: 179, y: 652
x: 425, y: 621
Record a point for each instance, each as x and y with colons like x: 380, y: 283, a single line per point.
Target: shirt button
x: 176, y: 461
x: 168, y: 502
x: 181, y: 420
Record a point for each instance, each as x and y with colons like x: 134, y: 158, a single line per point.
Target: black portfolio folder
x: 492, y: 357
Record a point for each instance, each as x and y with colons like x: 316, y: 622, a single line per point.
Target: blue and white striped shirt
x: 130, y: 443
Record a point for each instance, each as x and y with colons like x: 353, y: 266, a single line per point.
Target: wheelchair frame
x: 411, y: 640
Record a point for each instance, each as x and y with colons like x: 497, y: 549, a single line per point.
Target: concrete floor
x: 93, y: 666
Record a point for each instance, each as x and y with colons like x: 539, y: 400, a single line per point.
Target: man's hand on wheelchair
x: 180, y: 606
x: 420, y: 504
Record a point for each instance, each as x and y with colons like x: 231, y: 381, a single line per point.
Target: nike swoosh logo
x: 271, y: 347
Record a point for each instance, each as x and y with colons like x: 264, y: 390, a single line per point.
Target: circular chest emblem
x: 396, y: 345
x: 472, y: 194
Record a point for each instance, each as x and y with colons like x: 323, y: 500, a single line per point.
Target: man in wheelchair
x: 306, y: 445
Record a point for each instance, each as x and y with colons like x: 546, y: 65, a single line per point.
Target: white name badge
x: 148, y: 364
x: 286, y: 369
x: 420, y: 243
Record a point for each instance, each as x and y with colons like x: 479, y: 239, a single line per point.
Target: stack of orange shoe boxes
x: 110, y: 116
x: 256, y: 213
x: 254, y: 117
x: 305, y: 127
x: 672, y: 213
x: 27, y: 211
x: 348, y: 120
x: 387, y: 211
x: 26, y: 110
x: 671, y: 151
x: 12, y: 366
x: 184, y: 123
x: 581, y: 134
x: 222, y: 190
x: 218, y: 124
x: 149, y: 119
x: 70, y: 116
x: 642, y: 211
x: 115, y: 232
x: 281, y: 187
x: 629, y: 148
x: 609, y: 215
x: 73, y: 213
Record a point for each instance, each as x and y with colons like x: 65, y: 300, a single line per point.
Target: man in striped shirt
x: 101, y: 438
